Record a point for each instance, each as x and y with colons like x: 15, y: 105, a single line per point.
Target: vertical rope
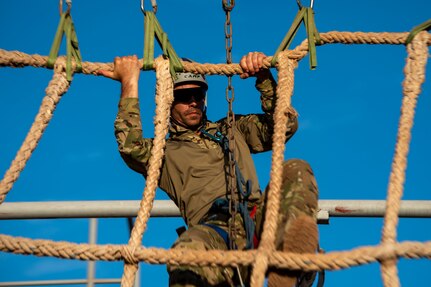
x: 282, y: 110
x: 164, y: 98
x: 414, y: 77
x: 56, y: 88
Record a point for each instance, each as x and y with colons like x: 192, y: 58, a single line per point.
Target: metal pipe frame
x: 59, y: 282
x: 166, y: 208
x: 92, y: 239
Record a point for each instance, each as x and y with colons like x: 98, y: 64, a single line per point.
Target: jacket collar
x: 177, y: 131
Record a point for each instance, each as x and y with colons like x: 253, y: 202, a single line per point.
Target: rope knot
x: 60, y: 65
x: 389, y: 252
x: 128, y: 254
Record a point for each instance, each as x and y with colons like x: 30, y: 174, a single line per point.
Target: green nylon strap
x: 290, y: 35
x: 306, y: 15
x: 55, y: 47
x: 72, y: 48
x: 67, y: 27
x: 313, y: 37
x: 422, y: 27
x: 148, y: 42
x: 153, y: 29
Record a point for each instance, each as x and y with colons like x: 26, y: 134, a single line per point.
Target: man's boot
x: 300, y: 236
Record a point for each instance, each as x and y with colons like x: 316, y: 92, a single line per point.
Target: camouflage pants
x: 299, y: 196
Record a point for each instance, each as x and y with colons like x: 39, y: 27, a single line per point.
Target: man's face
x: 188, y: 106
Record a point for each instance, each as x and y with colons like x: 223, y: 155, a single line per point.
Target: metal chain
x: 230, y: 96
x: 228, y: 7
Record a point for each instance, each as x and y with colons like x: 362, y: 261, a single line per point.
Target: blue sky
x: 348, y: 114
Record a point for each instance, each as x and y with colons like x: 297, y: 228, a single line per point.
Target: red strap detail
x: 253, y: 212
x: 252, y: 215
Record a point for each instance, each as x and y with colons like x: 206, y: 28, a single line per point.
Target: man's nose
x: 193, y: 104
x: 193, y: 100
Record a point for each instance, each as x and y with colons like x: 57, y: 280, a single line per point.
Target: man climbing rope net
x: 194, y: 174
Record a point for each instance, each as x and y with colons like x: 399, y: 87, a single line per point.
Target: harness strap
x: 243, y: 196
x: 220, y: 231
x: 66, y: 27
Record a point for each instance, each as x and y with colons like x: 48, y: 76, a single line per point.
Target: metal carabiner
x: 153, y: 3
x: 300, y: 4
x: 69, y: 6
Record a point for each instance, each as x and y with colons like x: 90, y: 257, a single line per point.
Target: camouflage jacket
x: 193, y: 169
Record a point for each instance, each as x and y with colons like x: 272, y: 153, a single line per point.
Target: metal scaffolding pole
x: 58, y: 282
x: 92, y: 239
x: 166, y: 208
x: 375, y: 208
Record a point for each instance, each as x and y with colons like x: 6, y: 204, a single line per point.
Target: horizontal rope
x: 329, y: 261
x: 20, y: 59
x: 133, y: 253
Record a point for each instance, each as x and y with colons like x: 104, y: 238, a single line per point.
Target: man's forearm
x: 134, y: 149
x: 129, y: 90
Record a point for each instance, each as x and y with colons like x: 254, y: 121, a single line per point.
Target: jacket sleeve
x: 258, y: 128
x: 134, y: 149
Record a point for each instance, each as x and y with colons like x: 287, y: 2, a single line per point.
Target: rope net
x: 386, y: 253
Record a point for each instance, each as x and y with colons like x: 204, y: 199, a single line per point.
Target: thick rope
x: 164, y: 99
x: 308, y: 262
x: 56, y: 88
x: 19, y: 59
x: 414, y: 77
x: 387, y: 253
x: 282, y: 110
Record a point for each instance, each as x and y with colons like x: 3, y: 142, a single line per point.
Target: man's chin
x: 194, y: 123
x: 194, y: 118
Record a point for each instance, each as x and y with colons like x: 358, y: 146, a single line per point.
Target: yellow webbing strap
x: 67, y: 27
x: 152, y: 28
x: 306, y: 15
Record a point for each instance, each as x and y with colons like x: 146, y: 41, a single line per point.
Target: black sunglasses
x: 186, y: 95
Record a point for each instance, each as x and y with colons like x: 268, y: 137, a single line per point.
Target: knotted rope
x: 56, y: 88
x: 164, y: 99
x: 414, y: 77
x: 308, y: 262
x: 283, y: 108
x: 387, y: 252
x: 19, y: 59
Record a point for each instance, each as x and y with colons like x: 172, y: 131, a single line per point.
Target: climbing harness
x: 237, y: 203
x: 243, y: 195
x: 221, y: 205
x: 152, y: 28
x: 306, y: 15
x: 67, y: 27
